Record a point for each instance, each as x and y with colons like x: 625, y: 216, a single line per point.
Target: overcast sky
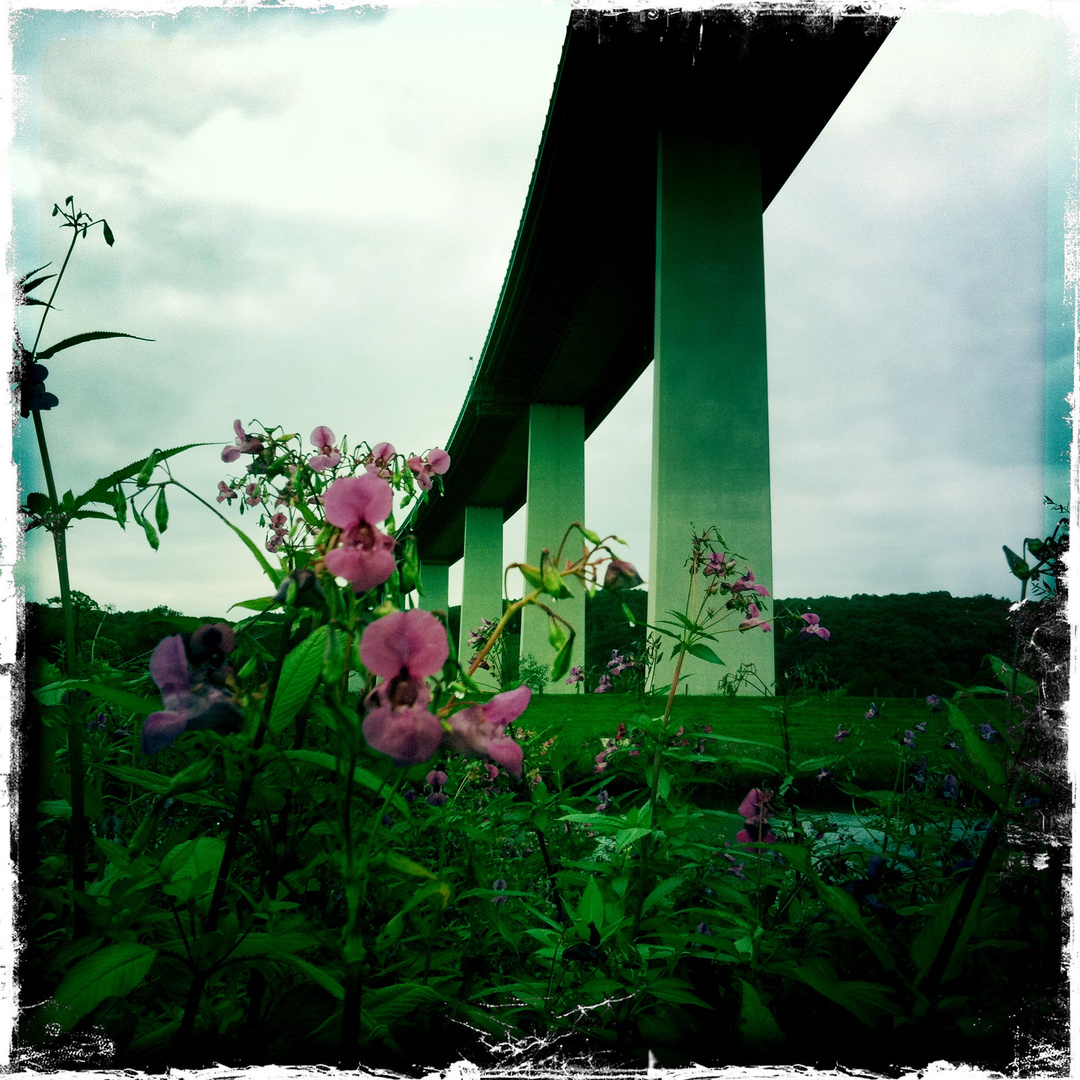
x: 314, y: 212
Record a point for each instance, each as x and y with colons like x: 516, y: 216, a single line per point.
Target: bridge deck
x: 574, y: 321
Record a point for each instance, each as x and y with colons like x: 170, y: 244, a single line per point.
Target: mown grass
x: 870, y: 756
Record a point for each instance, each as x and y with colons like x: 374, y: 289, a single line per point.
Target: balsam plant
x: 306, y: 835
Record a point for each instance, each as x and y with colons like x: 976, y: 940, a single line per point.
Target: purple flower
x: 718, y: 565
x: 191, y: 703
x: 437, y: 462
x: 478, y: 637
x: 480, y: 730
x: 253, y: 495
x: 365, y: 557
x: 934, y: 702
x: 225, y: 492
x: 921, y: 727
x: 747, y: 583
x: 841, y: 733
x: 245, y: 444
x: 437, y: 798
x: 436, y: 778
x: 987, y: 732
x: 603, y: 686
x: 703, y: 928
x: 322, y: 438
x: 753, y: 618
x: 872, y: 711
x: 493, y: 772
x: 950, y: 788
x: 403, y: 648
x: 908, y: 739
x: 575, y: 676
x: 813, y: 627
x: 824, y: 774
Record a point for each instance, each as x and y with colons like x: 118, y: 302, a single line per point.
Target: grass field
x: 869, y: 756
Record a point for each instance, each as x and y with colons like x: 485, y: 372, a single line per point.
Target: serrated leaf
x: 112, y: 971
x: 317, y: 975
x: 79, y: 339
x: 756, y: 1023
x: 193, y: 858
x: 703, y: 652
x: 590, y: 908
x: 299, y: 674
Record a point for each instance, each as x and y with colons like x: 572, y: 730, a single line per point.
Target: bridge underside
x: 577, y: 321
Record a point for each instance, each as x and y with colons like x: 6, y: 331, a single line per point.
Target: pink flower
x: 365, y: 557
x: 438, y: 461
x: 403, y: 648
x: 195, y: 705
x: 225, y: 492
x: 603, y: 686
x: 380, y: 461
x: 755, y: 804
x: 746, y: 584
x: 718, y: 565
x: 813, y: 627
x: 253, y: 495
x: 245, y: 444
x: 322, y: 438
x: 480, y: 730
x: 753, y: 618
x: 841, y: 733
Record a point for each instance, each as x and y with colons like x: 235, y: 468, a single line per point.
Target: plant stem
x: 198, y: 980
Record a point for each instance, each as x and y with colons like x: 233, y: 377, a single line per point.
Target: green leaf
x: 590, y: 908
x: 756, y: 1024
x: 868, y: 1002
x: 194, y: 858
x: 628, y: 836
x: 112, y: 971
x: 556, y: 633
x: 161, y: 511
x: 120, y: 505
x: 142, y: 778
x: 406, y: 866
x: 925, y: 947
x: 299, y: 674
x: 703, y: 652
x: 79, y: 339
x: 132, y: 702
x: 361, y: 776
x: 561, y: 664
x: 1004, y: 672
x: 979, y: 752
x: 317, y: 975
x: 665, y: 888
x: 107, y: 233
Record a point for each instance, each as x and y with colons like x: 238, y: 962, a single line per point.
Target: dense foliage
x: 307, y: 836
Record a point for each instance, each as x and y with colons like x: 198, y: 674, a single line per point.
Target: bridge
x: 667, y: 135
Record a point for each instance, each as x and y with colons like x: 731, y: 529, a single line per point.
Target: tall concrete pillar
x: 481, y: 587
x: 436, y: 581
x: 556, y: 497
x: 710, y: 392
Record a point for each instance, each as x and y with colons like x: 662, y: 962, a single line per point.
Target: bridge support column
x: 481, y: 587
x: 555, y: 498
x: 436, y: 581
x: 710, y: 391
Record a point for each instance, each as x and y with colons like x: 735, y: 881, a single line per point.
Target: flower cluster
x: 435, y: 464
x: 192, y: 672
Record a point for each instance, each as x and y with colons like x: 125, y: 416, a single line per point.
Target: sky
x: 314, y: 212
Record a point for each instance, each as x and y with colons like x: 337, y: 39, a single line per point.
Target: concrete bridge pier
x: 555, y: 497
x: 436, y: 581
x: 482, y: 580
x: 710, y: 386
